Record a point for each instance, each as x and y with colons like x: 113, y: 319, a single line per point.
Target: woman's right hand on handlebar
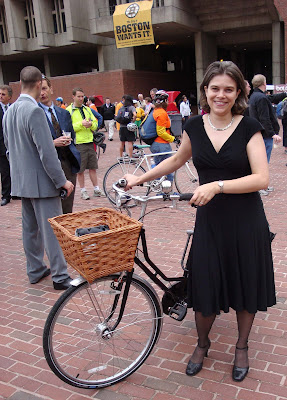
x: 132, y: 180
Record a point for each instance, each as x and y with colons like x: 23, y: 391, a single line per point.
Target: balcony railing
x: 108, y: 11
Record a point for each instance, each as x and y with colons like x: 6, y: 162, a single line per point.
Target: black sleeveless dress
x: 230, y: 260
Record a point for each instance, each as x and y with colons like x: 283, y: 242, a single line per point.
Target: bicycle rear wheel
x: 117, y: 171
x: 79, y: 344
x: 185, y: 178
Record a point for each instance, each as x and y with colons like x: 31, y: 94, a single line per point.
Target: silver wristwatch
x: 221, y: 184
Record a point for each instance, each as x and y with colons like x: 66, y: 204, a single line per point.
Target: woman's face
x: 221, y: 94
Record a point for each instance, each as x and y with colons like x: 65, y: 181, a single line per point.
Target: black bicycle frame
x: 156, y: 271
x: 152, y: 271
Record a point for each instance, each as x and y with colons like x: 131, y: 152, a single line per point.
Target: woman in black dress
x: 230, y: 261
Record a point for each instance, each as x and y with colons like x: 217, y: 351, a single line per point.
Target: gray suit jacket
x: 35, y: 168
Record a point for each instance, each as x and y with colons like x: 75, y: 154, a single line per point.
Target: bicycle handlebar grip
x: 185, y: 196
x: 122, y: 182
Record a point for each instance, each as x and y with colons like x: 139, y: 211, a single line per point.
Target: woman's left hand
x: 204, y: 193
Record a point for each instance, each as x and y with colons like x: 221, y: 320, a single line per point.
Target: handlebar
x: 123, y: 197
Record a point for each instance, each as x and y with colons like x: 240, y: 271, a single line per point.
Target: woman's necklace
x: 220, y: 129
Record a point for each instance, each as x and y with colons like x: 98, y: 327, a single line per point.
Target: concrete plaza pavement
x: 25, y: 375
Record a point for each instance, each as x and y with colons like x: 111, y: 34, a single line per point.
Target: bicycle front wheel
x: 116, y: 172
x: 80, y: 344
x: 185, y: 178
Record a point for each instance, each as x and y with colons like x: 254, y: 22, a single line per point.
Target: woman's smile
x: 221, y: 93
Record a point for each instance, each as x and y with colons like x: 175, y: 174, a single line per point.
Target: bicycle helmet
x: 99, y: 138
x: 132, y: 127
x: 160, y: 97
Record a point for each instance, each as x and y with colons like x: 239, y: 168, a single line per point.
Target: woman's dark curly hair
x: 230, y: 69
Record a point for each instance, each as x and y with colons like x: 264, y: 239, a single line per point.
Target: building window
x: 3, y: 26
x: 30, y: 19
x: 59, y: 18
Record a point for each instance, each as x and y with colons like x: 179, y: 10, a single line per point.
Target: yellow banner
x: 132, y: 24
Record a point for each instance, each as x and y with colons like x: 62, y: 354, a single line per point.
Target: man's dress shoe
x: 4, y: 202
x: 62, y: 285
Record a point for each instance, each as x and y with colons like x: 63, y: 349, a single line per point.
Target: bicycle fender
x: 77, y: 281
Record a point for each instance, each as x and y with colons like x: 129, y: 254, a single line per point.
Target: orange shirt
x: 63, y: 106
x: 162, y: 119
x: 93, y: 107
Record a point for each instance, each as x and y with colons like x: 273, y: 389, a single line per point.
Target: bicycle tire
x: 117, y: 171
x: 77, y: 344
x: 185, y: 178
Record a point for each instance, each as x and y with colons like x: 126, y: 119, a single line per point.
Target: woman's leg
x: 130, y: 148
x: 122, y: 146
x: 203, y: 326
x: 244, y: 322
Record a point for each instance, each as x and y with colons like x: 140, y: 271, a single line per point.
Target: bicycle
x: 100, y: 333
x: 185, y: 178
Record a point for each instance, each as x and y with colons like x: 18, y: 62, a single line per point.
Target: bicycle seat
x: 141, y: 146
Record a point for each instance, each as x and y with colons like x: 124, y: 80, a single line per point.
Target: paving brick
x: 194, y: 394
x: 250, y: 395
x: 6, y: 390
x: 26, y: 383
x: 273, y: 389
x: 220, y: 388
x: 56, y: 393
x: 6, y: 375
x: 149, y: 370
x: 139, y: 391
x: 161, y: 385
x: 106, y: 394
x: 164, y: 396
x: 20, y: 395
x: 183, y: 379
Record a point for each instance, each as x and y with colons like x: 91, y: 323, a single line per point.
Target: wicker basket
x: 98, y: 254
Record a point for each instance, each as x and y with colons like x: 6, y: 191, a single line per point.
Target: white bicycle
x: 185, y: 178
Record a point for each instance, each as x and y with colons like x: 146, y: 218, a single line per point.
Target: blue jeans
x: 161, y: 148
x: 269, y: 146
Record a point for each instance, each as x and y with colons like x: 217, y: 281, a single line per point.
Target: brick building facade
x: 73, y: 43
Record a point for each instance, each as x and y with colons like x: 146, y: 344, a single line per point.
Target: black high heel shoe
x: 238, y: 373
x: 194, y: 368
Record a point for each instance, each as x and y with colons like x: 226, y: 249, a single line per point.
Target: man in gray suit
x: 37, y: 177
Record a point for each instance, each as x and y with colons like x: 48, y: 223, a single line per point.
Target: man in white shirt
x: 184, y: 109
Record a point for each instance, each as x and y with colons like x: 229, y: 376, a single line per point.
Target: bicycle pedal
x: 178, y: 311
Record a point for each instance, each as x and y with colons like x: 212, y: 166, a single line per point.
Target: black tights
x: 203, y: 327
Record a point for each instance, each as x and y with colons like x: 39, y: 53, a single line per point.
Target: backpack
x: 147, y: 129
x: 124, y: 116
x: 281, y: 109
x: 284, y: 109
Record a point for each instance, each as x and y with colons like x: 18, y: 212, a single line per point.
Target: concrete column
x: 111, y: 58
x: 1, y: 75
x: 101, y: 60
x: 278, y: 64
x: 47, y: 65
x: 205, y: 53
